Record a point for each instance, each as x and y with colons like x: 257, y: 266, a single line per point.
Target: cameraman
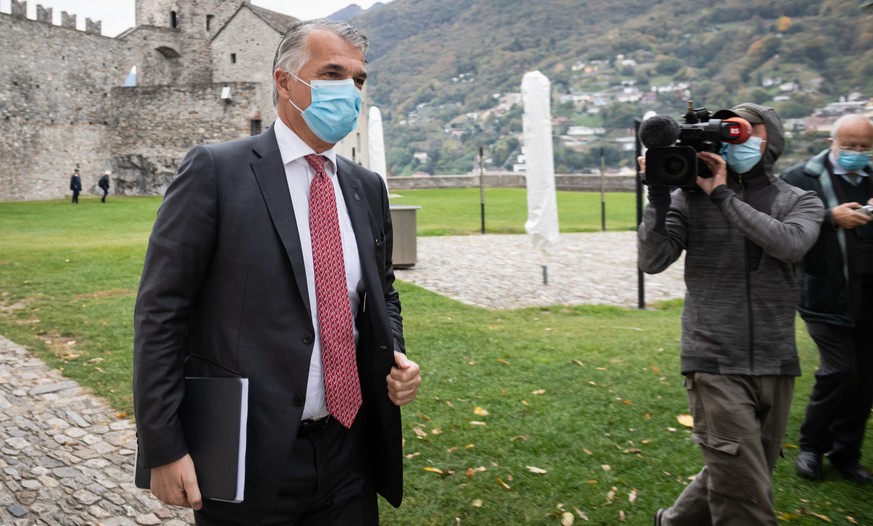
x: 742, y: 230
x: 836, y: 302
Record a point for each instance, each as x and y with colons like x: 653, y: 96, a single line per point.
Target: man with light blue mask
x: 741, y: 230
x: 836, y: 302
x: 271, y: 260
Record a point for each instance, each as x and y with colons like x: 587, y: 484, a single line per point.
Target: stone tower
x: 175, y: 38
x: 194, y: 18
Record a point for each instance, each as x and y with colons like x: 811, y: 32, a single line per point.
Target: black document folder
x: 214, y: 415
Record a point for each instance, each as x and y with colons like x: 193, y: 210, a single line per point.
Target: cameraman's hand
x: 659, y: 196
x: 717, y: 166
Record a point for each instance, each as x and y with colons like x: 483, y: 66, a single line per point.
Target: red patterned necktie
x: 342, y: 388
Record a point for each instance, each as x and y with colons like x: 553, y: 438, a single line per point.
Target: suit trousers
x: 840, y: 402
x: 325, y: 483
x: 739, y: 422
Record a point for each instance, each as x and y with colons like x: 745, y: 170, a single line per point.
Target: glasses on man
x: 858, y: 148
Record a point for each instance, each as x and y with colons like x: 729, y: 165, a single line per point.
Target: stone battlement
x: 44, y: 15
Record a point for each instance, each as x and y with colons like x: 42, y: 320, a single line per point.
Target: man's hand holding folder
x: 214, y: 415
x: 176, y: 484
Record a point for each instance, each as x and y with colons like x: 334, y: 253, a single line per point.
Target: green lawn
x: 523, y: 414
x: 457, y: 211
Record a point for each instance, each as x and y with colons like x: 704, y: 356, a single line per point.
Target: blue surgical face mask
x: 853, y: 161
x: 743, y: 157
x: 334, y: 110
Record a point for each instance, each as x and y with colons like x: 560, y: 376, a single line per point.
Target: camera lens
x: 674, y: 168
x: 671, y: 166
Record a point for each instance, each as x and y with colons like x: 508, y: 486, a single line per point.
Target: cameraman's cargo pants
x: 739, y: 422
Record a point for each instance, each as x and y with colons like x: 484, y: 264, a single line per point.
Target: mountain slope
x: 455, y: 55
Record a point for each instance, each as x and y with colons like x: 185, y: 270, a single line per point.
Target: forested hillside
x: 443, y: 71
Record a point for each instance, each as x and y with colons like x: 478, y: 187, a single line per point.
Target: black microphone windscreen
x: 659, y: 130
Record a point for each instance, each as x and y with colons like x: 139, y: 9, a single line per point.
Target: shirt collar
x: 292, y: 147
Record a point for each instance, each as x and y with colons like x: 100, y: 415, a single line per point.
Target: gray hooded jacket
x: 740, y: 246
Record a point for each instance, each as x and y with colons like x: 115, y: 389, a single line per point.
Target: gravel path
x: 504, y: 271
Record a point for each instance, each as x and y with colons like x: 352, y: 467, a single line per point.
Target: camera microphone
x: 659, y: 131
x: 736, y: 130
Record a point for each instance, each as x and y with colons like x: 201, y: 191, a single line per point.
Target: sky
x: 118, y: 15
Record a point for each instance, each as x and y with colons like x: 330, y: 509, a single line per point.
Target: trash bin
x: 405, y: 238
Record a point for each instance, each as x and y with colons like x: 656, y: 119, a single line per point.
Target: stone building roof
x: 278, y: 21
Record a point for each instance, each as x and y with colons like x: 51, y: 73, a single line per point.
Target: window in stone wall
x: 233, y: 58
x: 209, y: 22
x: 256, y: 126
x: 174, y: 20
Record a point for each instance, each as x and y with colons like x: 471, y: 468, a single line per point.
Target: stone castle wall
x: 54, y: 103
x: 63, y: 104
x: 173, y: 121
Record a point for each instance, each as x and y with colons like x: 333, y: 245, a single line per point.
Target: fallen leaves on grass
x: 480, y: 411
x: 536, y: 470
x: 443, y: 473
x: 502, y: 484
x: 685, y: 420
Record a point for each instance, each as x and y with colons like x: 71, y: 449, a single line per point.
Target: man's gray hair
x: 292, y: 54
x: 835, y: 129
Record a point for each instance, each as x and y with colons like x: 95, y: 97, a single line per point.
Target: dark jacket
x: 824, y: 278
x: 740, y: 245
x: 224, y: 289
x: 75, y: 183
x: 104, y: 182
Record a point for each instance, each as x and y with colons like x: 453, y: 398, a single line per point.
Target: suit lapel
x: 270, y: 174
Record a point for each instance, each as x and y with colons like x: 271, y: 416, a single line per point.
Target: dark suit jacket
x: 223, y: 292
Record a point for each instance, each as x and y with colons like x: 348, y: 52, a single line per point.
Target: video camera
x: 671, y: 158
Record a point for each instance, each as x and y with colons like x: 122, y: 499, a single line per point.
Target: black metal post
x: 482, y: 186
x: 602, y: 191
x: 638, y: 151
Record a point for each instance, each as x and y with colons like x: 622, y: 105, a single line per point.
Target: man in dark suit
x: 76, y: 185
x: 249, y: 274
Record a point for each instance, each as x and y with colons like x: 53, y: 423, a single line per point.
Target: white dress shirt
x: 299, y: 176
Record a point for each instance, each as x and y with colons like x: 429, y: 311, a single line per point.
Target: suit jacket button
x: 308, y: 338
x: 298, y: 400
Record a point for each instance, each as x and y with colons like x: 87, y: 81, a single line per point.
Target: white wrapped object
x: 542, y: 206
x: 376, y: 143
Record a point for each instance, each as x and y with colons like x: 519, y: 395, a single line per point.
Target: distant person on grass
x: 741, y: 230
x: 836, y: 302
x: 76, y: 185
x: 103, y: 183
